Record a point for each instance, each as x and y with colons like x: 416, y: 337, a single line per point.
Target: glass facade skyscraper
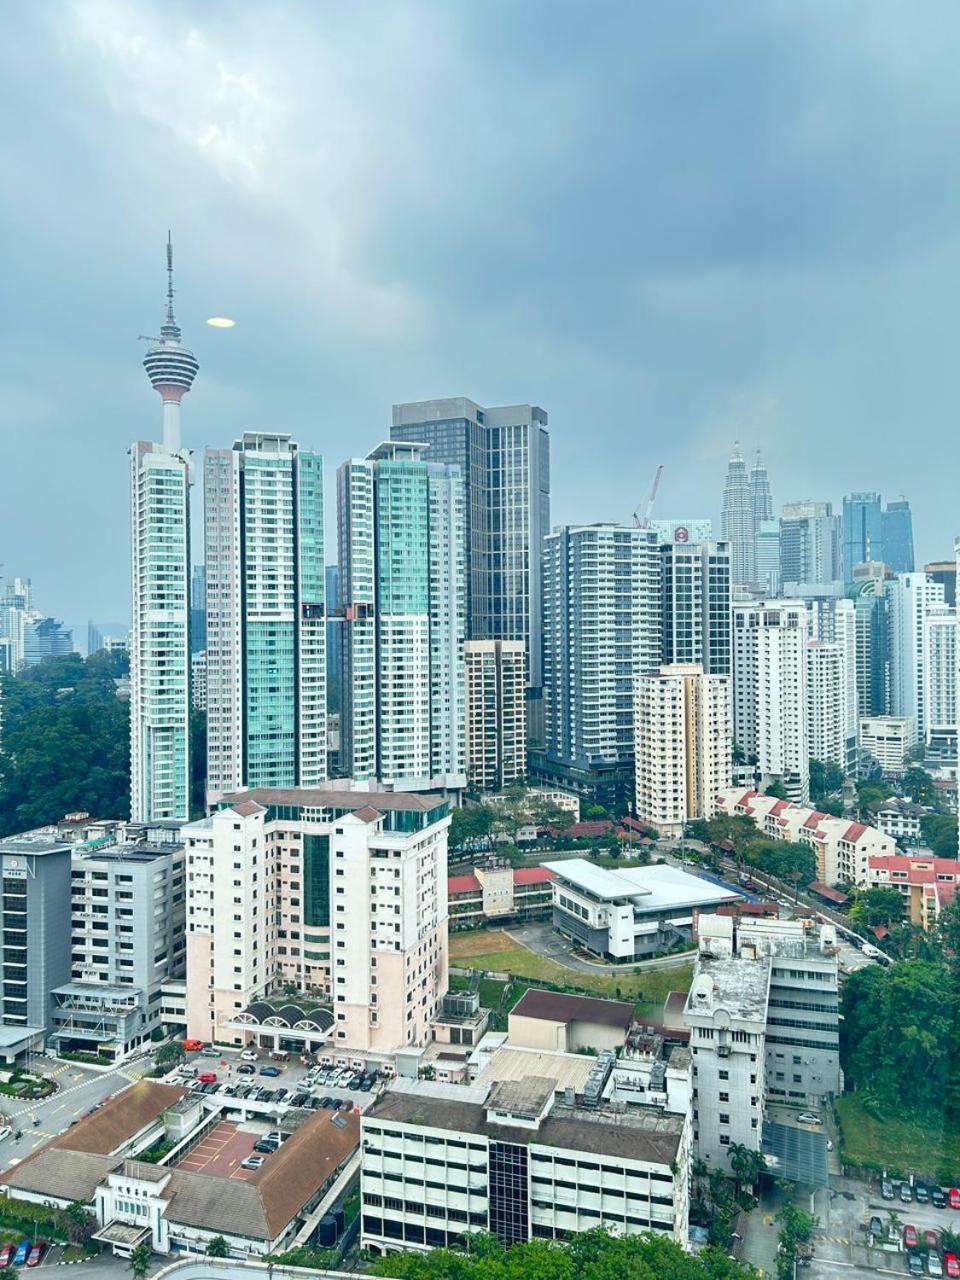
x: 695, y: 605
x: 862, y: 532
x: 402, y: 587
x: 266, y: 621
x: 897, y: 527
x: 503, y: 455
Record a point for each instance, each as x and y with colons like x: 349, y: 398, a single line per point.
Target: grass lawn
x: 900, y: 1144
x: 501, y: 954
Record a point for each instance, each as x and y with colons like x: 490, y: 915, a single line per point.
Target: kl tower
x: 160, y: 590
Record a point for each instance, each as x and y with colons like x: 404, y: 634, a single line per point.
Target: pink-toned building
x: 928, y: 884
x: 318, y: 918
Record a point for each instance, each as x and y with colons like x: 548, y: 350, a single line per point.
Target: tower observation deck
x: 171, y: 367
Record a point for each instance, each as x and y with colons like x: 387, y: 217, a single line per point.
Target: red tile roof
x: 814, y: 820
x: 779, y: 807
x: 533, y: 875
x: 855, y: 832
x: 829, y: 895
x: 463, y: 884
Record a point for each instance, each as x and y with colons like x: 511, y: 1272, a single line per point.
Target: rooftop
x: 331, y: 798
x: 32, y: 845
x: 566, y: 1070
x: 733, y: 985
x: 658, y: 887
x: 528, y: 1096
x: 554, y: 1006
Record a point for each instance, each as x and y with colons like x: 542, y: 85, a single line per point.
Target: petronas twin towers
x: 747, y: 523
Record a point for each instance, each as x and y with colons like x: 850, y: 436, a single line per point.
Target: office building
x: 631, y: 914
x: 45, y: 638
x: 537, y: 1148
x: 683, y: 745
x: 862, y: 532
x: 896, y: 525
x: 496, y: 719
x: 16, y: 605
x: 601, y: 631
x: 737, y: 527
x: 339, y: 894
x: 872, y: 622
x: 886, y: 740
x: 503, y: 456
x: 763, y: 1013
x: 35, y: 933
x: 910, y: 596
x: 128, y: 939
x: 770, y: 690
x: 695, y: 604
x: 160, y: 630
x: 266, y: 625
x: 400, y: 521
x: 811, y: 545
x: 767, y: 557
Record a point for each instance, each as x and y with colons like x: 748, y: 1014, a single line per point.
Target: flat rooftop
x: 555, y: 1006
x: 32, y: 845
x: 734, y: 983
x: 652, y: 888
x: 331, y: 798
x: 567, y: 1070
x: 128, y: 853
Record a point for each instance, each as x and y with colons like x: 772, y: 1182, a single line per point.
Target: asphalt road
x: 79, y: 1090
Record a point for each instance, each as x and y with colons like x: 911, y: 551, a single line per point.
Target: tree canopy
x: 592, y: 1255
x: 65, y: 742
x: 939, y: 831
x: 880, y: 905
x: 780, y: 858
x: 919, y: 786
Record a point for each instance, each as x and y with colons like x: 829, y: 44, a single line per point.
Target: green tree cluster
x: 881, y: 905
x: 592, y: 1255
x: 795, y: 863
x: 826, y: 780
x: 939, y: 831
x: 65, y: 742
x: 919, y: 786
x: 795, y: 1228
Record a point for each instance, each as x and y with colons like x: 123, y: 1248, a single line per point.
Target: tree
x: 777, y: 789
x: 870, y: 793
x: 796, y: 1226
x: 140, y: 1259
x: 919, y: 786
x: 826, y: 779
x: 880, y: 905
x: 170, y: 1054
x: 471, y: 827
x: 9, y: 1273
x: 747, y: 1165
x: 939, y: 831
x: 217, y: 1248
x: 79, y: 1224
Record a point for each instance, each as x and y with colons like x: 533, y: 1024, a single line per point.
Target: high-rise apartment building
x: 944, y: 572
x: 737, y: 519
x: 770, y: 690
x: 811, y: 546
x: 695, y: 604
x: 910, y: 595
x: 683, y: 745
x: 266, y: 623
x: 400, y: 520
x: 198, y: 608
x: 601, y: 631
x: 340, y: 894
x: 16, y: 605
x: 503, y: 454
x: 827, y: 702
x: 833, y: 622
x: 941, y: 710
x: 896, y: 524
x: 334, y: 637
x: 160, y: 629
x: 767, y: 557
x: 862, y: 531
x: 496, y: 719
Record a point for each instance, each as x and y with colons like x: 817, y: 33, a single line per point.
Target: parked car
x: 328, y: 1103
x: 952, y: 1265
x: 953, y: 1197
x: 207, y: 1077
x: 910, y: 1238
x: 346, y: 1104
x: 914, y: 1264
x: 36, y: 1253
x: 267, y: 1148
x: 934, y: 1265
x: 922, y: 1194
x: 931, y: 1239
x: 252, y: 1162
x: 280, y: 1094
x: 245, y: 1069
x: 299, y: 1099
x: 316, y: 1102
x: 22, y: 1253
x: 906, y: 1194
x: 366, y: 1084
x: 193, y: 1046
x: 937, y: 1198
x: 6, y: 1253
x: 876, y: 1226
x: 280, y: 1055
x: 244, y: 1091
x: 209, y: 1051
x: 886, y: 1189
x: 248, y: 1055
x: 277, y: 1136
x: 269, y: 1071
x: 355, y: 1082
x: 808, y: 1117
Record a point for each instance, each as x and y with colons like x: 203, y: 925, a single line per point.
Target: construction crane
x: 641, y: 517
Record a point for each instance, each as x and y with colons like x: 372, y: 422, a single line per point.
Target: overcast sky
x: 668, y: 224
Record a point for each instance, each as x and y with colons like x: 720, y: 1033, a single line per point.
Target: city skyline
x: 805, y: 333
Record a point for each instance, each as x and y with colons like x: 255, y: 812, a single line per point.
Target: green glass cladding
x: 402, y: 538
x: 270, y: 711
x: 316, y: 881
x: 310, y: 527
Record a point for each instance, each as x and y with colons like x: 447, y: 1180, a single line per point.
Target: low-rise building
x: 887, y: 739
x: 496, y: 890
x: 629, y: 914
x: 525, y: 1153
x: 928, y: 884
x: 899, y: 818
x: 568, y: 1024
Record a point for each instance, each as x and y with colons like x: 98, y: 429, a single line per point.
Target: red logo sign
x: 681, y: 534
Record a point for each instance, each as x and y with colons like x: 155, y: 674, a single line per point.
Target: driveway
x: 544, y: 940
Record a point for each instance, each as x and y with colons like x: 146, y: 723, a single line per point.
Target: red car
x: 207, y: 1077
x: 932, y: 1239
x: 909, y: 1236
x: 953, y: 1197
x: 6, y: 1253
x: 192, y: 1046
x: 36, y: 1253
x: 952, y: 1264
